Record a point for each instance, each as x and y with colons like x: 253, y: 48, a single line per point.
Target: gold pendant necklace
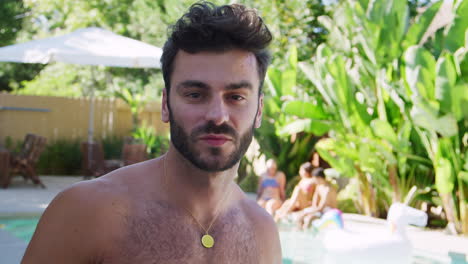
x: 206, y: 240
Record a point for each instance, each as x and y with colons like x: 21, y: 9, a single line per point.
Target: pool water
x: 298, y: 247
x: 22, y: 228
x: 304, y: 247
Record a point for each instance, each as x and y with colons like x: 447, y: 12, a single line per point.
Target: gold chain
x: 194, y: 218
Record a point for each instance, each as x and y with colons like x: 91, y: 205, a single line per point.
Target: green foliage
x: 456, y: 35
x: 134, y: 99
x: 12, y: 145
x: 146, y: 20
x: 395, y: 109
x: 157, y: 145
x: 141, y: 19
x: 61, y: 157
x: 12, y: 13
x: 280, y: 136
x: 249, y: 183
x: 112, y: 146
x: 347, y: 198
x: 292, y: 22
x: 51, y: 80
x: 347, y: 206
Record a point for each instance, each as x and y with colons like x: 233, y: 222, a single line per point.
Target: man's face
x: 214, y: 106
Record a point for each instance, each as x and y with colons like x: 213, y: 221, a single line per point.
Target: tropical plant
x: 156, y: 144
x: 136, y: 101
x: 440, y: 112
x: 278, y: 136
x: 385, y: 97
x: 292, y: 22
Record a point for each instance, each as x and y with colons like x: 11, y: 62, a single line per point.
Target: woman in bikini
x: 302, y: 193
x: 270, y: 193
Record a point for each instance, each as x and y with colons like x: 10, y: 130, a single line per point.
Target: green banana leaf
x: 292, y: 59
x: 343, y: 165
x: 417, y: 29
x: 445, y: 125
x: 446, y: 78
x: 305, y: 110
x: 315, y: 127
x: 385, y: 131
x: 419, y: 71
x: 455, y: 37
x: 444, y: 175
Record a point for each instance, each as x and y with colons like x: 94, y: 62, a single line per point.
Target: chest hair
x: 160, y: 233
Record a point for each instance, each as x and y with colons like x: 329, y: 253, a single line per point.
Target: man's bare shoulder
x: 100, y: 191
x: 266, y: 230
x: 82, y: 221
x: 102, y: 197
x: 255, y: 212
x: 69, y: 229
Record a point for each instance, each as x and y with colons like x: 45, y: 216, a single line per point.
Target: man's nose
x: 217, y: 111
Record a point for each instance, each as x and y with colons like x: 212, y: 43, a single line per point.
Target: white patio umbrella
x: 87, y: 46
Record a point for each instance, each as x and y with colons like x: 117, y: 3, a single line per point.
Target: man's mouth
x: 215, y: 140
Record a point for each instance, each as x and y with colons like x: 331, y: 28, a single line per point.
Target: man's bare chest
x: 162, y: 234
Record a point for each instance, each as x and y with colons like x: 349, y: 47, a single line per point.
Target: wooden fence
x: 67, y: 118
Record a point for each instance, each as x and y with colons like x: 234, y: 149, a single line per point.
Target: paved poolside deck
x: 25, y: 199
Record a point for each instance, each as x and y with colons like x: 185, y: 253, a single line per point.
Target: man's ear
x: 165, y: 107
x: 258, y: 118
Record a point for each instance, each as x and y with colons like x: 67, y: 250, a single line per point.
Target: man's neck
x: 198, y: 191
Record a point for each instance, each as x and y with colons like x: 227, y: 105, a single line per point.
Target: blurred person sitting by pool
x: 302, y: 194
x: 324, y: 199
x: 182, y: 207
x: 270, y: 193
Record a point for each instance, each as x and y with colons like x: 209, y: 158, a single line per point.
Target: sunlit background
x: 378, y: 88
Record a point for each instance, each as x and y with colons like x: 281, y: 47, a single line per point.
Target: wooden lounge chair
x: 24, y: 163
x: 4, y: 165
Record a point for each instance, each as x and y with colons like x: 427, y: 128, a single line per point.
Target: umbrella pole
x: 91, y: 122
x: 91, y: 117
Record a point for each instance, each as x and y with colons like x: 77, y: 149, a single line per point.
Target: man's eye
x: 237, y: 97
x: 193, y: 95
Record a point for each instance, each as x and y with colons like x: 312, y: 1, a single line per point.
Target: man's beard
x: 184, y: 143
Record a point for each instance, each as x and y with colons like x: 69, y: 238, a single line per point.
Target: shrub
x: 12, y: 145
x: 112, y: 146
x: 61, y: 157
x: 249, y: 183
x: 157, y: 144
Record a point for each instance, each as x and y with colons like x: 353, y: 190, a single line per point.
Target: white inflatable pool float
x: 381, y: 246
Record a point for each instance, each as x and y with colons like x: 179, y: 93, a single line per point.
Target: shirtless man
x: 324, y: 198
x: 182, y: 207
x: 271, y: 189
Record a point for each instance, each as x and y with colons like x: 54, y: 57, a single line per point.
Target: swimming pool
x: 298, y: 247
x: 302, y: 247
x: 22, y: 228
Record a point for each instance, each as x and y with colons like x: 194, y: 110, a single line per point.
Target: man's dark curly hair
x: 207, y: 27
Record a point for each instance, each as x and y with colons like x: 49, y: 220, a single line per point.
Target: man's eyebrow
x: 192, y: 84
x: 239, y: 85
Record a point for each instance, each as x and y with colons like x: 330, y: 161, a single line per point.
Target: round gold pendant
x: 207, y: 241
